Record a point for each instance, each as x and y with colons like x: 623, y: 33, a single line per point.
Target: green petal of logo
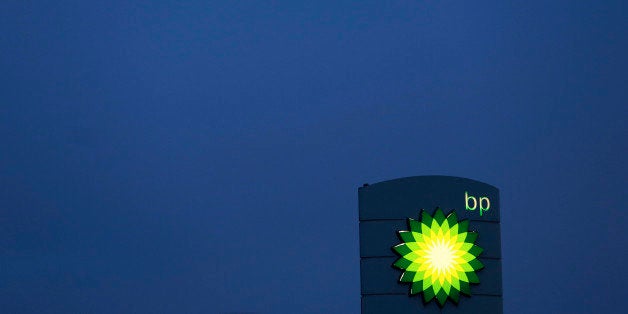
x: 438, y: 257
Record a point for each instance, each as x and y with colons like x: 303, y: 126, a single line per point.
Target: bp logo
x: 438, y: 257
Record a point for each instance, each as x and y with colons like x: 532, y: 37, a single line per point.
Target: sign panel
x: 430, y: 244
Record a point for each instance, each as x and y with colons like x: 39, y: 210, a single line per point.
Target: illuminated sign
x: 439, y: 255
x: 430, y: 244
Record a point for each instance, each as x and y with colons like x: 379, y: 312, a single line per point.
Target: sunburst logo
x: 438, y: 257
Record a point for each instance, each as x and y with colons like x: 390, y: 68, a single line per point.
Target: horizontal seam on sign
x: 387, y: 256
x: 404, y: 219
x: 384, y: 219
x: 403, y: 293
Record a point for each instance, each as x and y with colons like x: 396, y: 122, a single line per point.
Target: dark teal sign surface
x: 396, y: 279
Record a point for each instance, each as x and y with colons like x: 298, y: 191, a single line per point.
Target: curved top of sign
x: 424, y: 177
x: 405, y: 197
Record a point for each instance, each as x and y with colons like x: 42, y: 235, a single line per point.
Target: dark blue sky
x: 204, y: 156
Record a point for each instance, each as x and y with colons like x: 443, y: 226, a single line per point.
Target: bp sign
x: 430, y: 244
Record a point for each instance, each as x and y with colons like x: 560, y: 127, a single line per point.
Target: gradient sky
x: 204, y: 156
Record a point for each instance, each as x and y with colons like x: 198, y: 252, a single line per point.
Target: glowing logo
x: 438, y: 257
